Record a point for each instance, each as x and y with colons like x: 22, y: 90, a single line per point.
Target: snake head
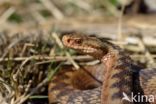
x: 85, y: 44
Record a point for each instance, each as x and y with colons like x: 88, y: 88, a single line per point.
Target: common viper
x: 121, y: 78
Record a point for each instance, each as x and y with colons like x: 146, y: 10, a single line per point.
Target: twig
x: 21, y: 66
x: 6, y: 15
x: 9, y: 47
x: 26, y: 45
x: 53, y: 9
x: 58, y: 41
x: 147, y: 53
x: 55, y: 58
x: 111, y: 8
x: 94, y: 62
x: 120, y: 20
x: 8, y: 87
x: 39, y: 18
x: 2, y: 100
x: 141, y: 56
x: 28, y: 87
x: 82, y: 4
x: 25, y: 97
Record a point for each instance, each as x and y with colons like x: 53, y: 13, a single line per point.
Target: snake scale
x: 121, y: 76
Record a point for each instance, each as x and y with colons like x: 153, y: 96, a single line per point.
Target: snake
x: 122, y: 76
x: 119, y: 77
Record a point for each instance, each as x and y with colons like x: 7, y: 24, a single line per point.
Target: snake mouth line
x: 84, y: 49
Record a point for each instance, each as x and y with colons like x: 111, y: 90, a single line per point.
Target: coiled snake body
x: 121, y: 76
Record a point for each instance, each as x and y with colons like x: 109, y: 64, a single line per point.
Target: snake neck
x: 117, y: 78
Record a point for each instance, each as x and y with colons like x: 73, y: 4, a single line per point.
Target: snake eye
x: 68, y: 40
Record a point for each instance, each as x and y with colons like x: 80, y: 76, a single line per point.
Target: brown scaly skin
x: 112, y: 88
x: 148, y: 82
x: 68, y: 80
x: 121, y: 74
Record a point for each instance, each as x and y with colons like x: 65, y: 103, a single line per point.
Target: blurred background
x: 115, y: 19
x: 95, y: 16
x: 130, y: 24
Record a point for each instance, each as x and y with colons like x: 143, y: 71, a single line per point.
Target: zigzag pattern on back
x: 121, y: 75
x: 148, y: 79
x: 118, y: 77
